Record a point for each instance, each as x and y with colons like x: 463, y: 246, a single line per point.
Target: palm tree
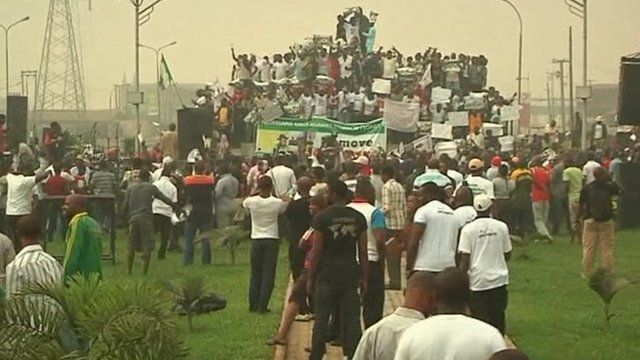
x: 88, y: 320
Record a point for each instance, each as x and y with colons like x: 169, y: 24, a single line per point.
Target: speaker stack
x: 17, y: 111
x: 193, y: 123
x: 629, y: 201
x: 629, y: 91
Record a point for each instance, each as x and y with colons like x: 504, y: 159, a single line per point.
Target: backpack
x: 600, y: 205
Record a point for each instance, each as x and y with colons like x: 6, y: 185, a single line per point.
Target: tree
x: 88, y: 320
x: 192, y: 299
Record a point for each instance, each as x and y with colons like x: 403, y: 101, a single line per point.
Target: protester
x: 373, y: 299
x: 502, y: 189
x: 596, y: 208
x: 434, y: 235
x: 56, y: 185
x: 484, y: 248
x: 283, y: 177
x: 264, y: 209
x: 138, y: 206
x: 573, y: 179
x: 299, y: 218
x: 162, y: 212
x: 394, y: 207
x: 463, y: 205
x: 432, y: 174
x: 476, y: 182
x: 589, y: 167
x: 379, y: 342
x: 84, y: 241
x: 169, y: 142
x: 335, y: 273
x: 449, y: 333
x: 540, y: 197
x: 227, y: 188
x: 559, y: 205
x: 199, y: 194
x: 32, y: 265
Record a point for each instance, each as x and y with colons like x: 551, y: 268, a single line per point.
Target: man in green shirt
x: 84, y: 240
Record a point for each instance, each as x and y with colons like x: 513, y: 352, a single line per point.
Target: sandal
x: 275, y: 341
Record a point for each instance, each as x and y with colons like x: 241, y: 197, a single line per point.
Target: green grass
x: 554, y: 315
x: 233, y: 333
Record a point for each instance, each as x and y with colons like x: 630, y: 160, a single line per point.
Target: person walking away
x: 380, y: 341
x: 434, y: 235
x: 199, y: 193
x: 104, y: 183
x: 574, y: 179
x: 32, y: 265
x: 56, y: 185
x: 520, y: 201
x: 227, y: 188
x: 84, y: 241
x: 264, y: 209
x: 20, y: 197
x: 162, y: 212
x: 335, y: 273
x: 299, y: 219
x: 283, y: 177
x: 394, y: 207
x: 449, y: 333
x: 476, y: 182
x: 540, y: 197
x: 596, y: 208
x: 589, y: 167
x: 138, y: 205
x: 373, y: 300
x: 502, y: 189
x: 484, y: 248
x: 298, y: 299
x: 559, y: 202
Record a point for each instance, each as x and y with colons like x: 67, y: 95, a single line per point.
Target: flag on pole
x: 426, y: 79
x: 166, y: 78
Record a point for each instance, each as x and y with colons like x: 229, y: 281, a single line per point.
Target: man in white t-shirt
x: 283, y: 177
x: 321, y: 102
x: 20, y: 191
x: 476, y: 182
x: 264, y: 210
x: 434, y: 235
x: 279, y: 68
x: 389, y: 66
x: 587, y: 170
x: 485, y: 247
x: 346, y: 66
x: 449, y: 334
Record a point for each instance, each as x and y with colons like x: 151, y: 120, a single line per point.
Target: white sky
x: 206, y: 28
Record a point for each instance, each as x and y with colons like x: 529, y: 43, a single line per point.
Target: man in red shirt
x: 540, y: 197
x: 56, y: 185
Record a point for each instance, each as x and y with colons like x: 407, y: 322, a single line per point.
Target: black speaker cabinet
x: 193, y: 123
x: 629, y: 92
x: 17, y: 111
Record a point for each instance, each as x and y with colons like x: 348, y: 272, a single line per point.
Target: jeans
x: 264, y: 260
x: 541, y: 216
x: 559, y: 214
x: 191, y: 228
x: 52, y: 216
x: 328, y: 295
x: 163, y: 226
x: 597, y: 234
x: 373, y: 299
x: 490, y: 306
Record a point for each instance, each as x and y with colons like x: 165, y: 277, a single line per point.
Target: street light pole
x: 519, y: 50
x: 6, y: 54
x: 157, y: 53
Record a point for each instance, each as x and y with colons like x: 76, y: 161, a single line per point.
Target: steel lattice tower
x: 60, y: 83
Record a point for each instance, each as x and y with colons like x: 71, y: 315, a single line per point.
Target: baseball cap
x: 362, y: 160
x: 496, y: 161
x: 475, y: 164
x: 482, y: 202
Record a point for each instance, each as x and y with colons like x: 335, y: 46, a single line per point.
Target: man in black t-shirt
x: 340, y: 235
x: 299, y: 219
x: 596, y: 208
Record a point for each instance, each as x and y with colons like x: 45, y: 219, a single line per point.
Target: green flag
x: 166, y: 78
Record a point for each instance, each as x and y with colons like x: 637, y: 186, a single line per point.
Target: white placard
x: 496, y: 129
x: 474, y: 101
x: 271, y: 113
x: 458, y: 118
x: 509, y: 113
x: 440, y: 95
x: 442, y: 131
x: 381, y: 86
x: 506, y: 143
x: 401, y: 116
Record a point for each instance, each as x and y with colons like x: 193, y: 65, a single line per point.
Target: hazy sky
x: 206, y: 28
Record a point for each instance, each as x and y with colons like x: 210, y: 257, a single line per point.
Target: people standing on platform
x: 84, y: 241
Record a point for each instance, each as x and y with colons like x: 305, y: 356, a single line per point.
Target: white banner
x: 400, y: 116
x: 440, y: 95
x: 475, y: 101
x: 506, y: 143
x: 458, y: 118
x: 442, y: 131
x: 381, y: 86
x: 271, y: 113
x: 509, y: 113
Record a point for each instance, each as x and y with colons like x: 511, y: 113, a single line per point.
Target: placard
x: 440, y: 95
x: 401, y: 116
x: 506, y: 143
x: 474, y: 101
x: 381, y: 86
x: 509, y: 113
x: 442, y: 131
x: 271, y: 113
x: 458, y: 118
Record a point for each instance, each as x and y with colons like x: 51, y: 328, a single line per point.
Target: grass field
x: 552, y: 313
x: 231, y: 334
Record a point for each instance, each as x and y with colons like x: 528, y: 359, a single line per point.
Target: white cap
x: 167, y: 160
x: 362, y: 160
x: 482, y: 202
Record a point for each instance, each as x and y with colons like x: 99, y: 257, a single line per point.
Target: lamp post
x: 157, y: 52
x: 6, y: 53
x: 579, y: 9
x: 519, y: 49
x: 142, y: 15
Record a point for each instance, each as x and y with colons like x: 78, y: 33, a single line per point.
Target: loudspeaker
x: 629, y: 92
x: 193, y: 123
x: 17, y: 112
x: 628, y: 177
